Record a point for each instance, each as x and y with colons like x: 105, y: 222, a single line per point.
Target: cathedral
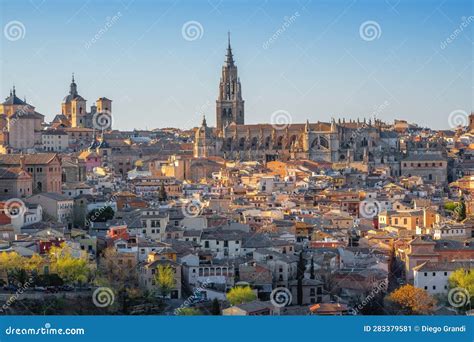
x: 337, y: 142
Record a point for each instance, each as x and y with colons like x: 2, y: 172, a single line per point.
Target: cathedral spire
x: 73, y: 87
x: 229, y: 104
x: 230, y: 57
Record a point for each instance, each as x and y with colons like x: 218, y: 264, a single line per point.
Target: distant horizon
x: 160, y: 62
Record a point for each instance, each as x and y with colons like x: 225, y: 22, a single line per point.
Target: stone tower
x: 204, y: 142
x: 229, y: 104
x: 74, y: 106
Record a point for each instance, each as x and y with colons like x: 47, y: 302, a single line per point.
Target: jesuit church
x: 341, y: 141
x: 74, y: 111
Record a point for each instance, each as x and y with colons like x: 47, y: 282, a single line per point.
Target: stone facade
x: 20, y: 124
x: 45, y: 168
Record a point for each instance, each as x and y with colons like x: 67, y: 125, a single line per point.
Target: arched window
x: 267, y: 142
x: 242, y: 143
x: 254, y: 144
x: 280, y: 142
x: 292, y: 141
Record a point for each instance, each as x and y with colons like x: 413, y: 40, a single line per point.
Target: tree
x: 48, y: 280
x: 301, y: 267
x: 115, y: 273
x: 463, y: 280
x: 311, y: 270
x: 164, y: 278
x: 410, y: 300
x: 240, y: 295
x: 73, y: 269
x: 123, y: 278
x: 216, y: 307
x: 18, y: 268
x: 10, y: 263
x: 450, y: 206
x: 461, y: 211
x: 34, y: 263
x: 101, y: 214
x: 162, y: 196
x: 188, y: 312
x: 393, y: 271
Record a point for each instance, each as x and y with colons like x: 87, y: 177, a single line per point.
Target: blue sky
x: 316, y: 67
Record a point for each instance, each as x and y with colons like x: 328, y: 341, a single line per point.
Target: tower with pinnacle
x: 229, y: 104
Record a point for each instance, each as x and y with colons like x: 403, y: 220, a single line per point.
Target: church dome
x: 13, y: 99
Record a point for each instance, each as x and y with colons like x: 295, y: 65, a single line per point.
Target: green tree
x: 17, y: 268
x: 216, y: 307
x: 10, y: 263
x: 240, y: 295
x: 410, y: 300
x: 463, y: 279
x: 461, y: 211
x: 73, y: 268
x: 164, y: 279
x: 34, y: 263
x: 450, y: 206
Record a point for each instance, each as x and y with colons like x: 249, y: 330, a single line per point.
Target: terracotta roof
x: 444, y: 266
x: 328, y: 308
x: 13, y: 173
x: 30, y: 159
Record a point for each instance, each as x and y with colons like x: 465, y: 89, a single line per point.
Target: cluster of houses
x: 221, y: 223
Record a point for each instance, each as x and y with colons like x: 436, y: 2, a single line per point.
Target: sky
x: 160, y: 61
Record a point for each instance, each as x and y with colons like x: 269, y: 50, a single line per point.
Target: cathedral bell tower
x: 229, y: 104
